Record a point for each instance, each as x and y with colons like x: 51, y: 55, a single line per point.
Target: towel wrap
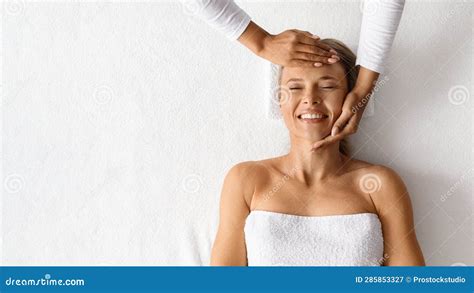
x: 278, y: 239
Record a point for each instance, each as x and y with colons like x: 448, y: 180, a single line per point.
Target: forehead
x: 335, y: 70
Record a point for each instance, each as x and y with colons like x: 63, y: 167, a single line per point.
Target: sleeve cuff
x: 379, y: 68
x: 239, y: 30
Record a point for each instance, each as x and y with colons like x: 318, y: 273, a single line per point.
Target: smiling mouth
x: 312, y: 118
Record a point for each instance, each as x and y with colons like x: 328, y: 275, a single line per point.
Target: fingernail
x: 333, y: 51
x: 331, y: 60
x: 335, y: 57
x: 317, y: 64
x: 315, y: 36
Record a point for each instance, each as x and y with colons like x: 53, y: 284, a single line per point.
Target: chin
x: 312, y: 133
x: 313, y: 136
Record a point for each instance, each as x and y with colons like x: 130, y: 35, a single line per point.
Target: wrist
x: 362, y: 90
x: 366, y: 81
x: 255, y: 38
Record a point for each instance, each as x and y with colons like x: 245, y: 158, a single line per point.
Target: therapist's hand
x: 352, y: 109
x: 290, y: 48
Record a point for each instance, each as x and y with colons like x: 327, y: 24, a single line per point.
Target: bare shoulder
x: 245, y: 176
x: 388, y: 179
x: 395, y: 211
x: 384, y: 184
x: 256, y: 169
x: 246, y: 170
x: 378, y: 172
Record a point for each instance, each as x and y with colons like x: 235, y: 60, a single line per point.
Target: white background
x: 120, y: 121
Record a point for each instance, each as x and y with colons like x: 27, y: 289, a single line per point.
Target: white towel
x: 272, y: 88
x: 276, y: 239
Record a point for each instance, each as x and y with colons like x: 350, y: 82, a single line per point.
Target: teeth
x: 312, y: 116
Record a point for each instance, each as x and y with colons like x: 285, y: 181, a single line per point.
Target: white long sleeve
x: 224, y: 15
x: 379, y: 24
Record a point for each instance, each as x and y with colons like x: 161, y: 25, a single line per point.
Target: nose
x: 312, y: 99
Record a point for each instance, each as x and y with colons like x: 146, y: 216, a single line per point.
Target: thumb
x: 341, y: 122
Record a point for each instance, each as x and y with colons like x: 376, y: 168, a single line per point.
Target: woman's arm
x: 395, y: 211
x: 223, y: 15
x: 289, y: 48
x: 380, y: 22
x: 229, y: 246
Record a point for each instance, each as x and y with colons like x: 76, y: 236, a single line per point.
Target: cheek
x: 288, y: 105
x: 335, y: 101
x: 287, y: 109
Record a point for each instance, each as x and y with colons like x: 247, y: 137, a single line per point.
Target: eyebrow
x: 322, y: 77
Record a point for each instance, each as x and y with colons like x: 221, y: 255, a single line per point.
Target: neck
x: 313, y: 167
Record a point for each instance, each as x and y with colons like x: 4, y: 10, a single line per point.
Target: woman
x: 299, y: 48
x: 315, y: 207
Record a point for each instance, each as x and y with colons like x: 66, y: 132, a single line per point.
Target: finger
x: 304, y: 39
x: 310, y: 39
x: 307, y: 33
x: 341, y: 122
x: 353, y: 124
x: 302, y: 63
x: 313, y: 57
x: 313, y: 50
x: 329, y: 140
x: 349, y: 129
x: 346, y: 131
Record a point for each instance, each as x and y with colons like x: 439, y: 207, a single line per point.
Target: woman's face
x: 319, y: 92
